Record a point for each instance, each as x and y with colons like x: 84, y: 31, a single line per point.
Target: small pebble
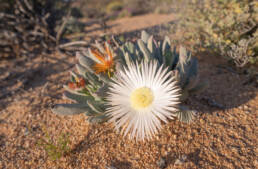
x: 110, y: 167
x: 26, y: 132
x: 161, y: 163
x: 180, y: 160
x: 247, y: 111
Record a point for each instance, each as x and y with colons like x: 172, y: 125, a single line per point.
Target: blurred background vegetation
x: 225, y: 27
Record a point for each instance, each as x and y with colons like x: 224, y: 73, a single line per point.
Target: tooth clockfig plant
x: 99, y: 65
x: 89, y: 85
x: 183, y: 66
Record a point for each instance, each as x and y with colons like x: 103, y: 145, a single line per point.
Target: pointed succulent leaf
x: 71, y: 90
x: 90, y: 55
x: 157, y: 52
x: 183, y: 57
x: 152, y: 47
x: 129, y: 47
x: 91, y: 113
x: 127, y: 58
x: 86, y: 62
x: 120, y: 54
x: 119, y: 66
x: 87, y: 53
x: 160, y: 44
x: 98, y: 119
x: 70, y: 109
x: 150, y: 44
x: 72, y: 78
x: 186, y: 115
x: 81, y: 70
x: 77, y: 97
x: 145, y: 36
x: 103, y: 77
x: 175, y: 58
x: 187, y: 67
x: 139, y: 55
x: 96, y: 106
x: 99, y: 47
x: 93, y: 94
x: 93, y: 79
x: 144, y: 50
x: 190, y: 72
x: 168, y: 57
x: 166, y: 50
x: 75, y: 75
x: 102, y: 92
x: 175, y: 74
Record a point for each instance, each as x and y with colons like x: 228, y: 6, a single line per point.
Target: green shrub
x: 29, y: 25
x: 228, y: 27
x: 55, y: 149
x: 114, y: 6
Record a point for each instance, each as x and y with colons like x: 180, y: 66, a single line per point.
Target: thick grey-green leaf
x: 120, y: 54
x: 102, y: 91
x: 93, y: 79
x: 99, y: 46
x: 103, y: 77
x: 86, y: 62
x: 183, y: 57
x: 97, y: 106
x: 70, y: 109
x: 187, y: 67
x: 157, y: 52
x: 91, y: 113
x: 79, y: 98
x: 119, y: 66
x: 130, y: 48
x: 82, y: 70
x: 144, y: 50
x: 127, y: 58
x: 174, y: 59
x: 74, y: 75
x: 190, y: 73
x: 151, y: 45
x: 98, y: 119
x: 166, y: 50
x: 186, y: 115
x: 90, y: 55
x: 145, y: 36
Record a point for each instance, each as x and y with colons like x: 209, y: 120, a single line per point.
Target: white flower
x: 140, y: 97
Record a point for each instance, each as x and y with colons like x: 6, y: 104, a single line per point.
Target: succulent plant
x: 88, y: 87
x: 184, y: 67
x: 97, y: 66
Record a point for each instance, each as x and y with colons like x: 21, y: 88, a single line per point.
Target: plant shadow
x: 227, y: 87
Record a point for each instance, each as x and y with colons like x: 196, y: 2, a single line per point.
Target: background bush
x: 228, y: 27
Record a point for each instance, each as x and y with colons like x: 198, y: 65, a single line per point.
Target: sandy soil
x: 224, y: 134
x: 128, y: 24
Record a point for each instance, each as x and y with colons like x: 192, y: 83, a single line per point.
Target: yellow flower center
x: 141, y: 98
